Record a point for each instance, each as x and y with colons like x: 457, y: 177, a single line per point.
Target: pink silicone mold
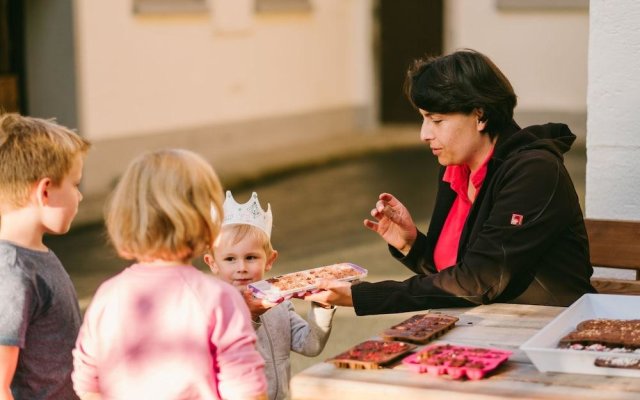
x: 456, y: 361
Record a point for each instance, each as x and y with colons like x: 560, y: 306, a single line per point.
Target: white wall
x: 543, y: 52
x: 613, y: 124
x: 145, y: 74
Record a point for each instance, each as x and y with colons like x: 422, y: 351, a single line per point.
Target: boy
x: 40, y: 170
x: 242, y: 253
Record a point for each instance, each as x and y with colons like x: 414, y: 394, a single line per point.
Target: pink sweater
x: 167, y: 333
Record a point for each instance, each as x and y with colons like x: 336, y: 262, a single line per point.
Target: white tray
x: 542, y: 348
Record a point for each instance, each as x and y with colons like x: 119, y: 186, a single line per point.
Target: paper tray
x: 265, y: 290
x: 542, y: 348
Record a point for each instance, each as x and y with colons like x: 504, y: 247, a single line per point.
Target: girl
x: 161, y: 329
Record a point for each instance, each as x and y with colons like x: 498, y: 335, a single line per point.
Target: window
x: 169, y: 6
x: 540, y: 5
x: 198, y: 6
x: 267, y: 6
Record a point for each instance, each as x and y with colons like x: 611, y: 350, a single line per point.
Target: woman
x: 507, y: 224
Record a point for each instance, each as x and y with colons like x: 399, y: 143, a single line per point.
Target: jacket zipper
x: 275, y: 367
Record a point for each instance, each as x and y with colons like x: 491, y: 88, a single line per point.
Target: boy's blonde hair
x: 32, y: 149
x: 160, y: 208
x: 238, y: 232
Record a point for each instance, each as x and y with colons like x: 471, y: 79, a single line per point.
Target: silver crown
x: 250, y: 213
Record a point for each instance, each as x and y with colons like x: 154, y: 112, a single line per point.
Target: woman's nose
x: 425, y: 131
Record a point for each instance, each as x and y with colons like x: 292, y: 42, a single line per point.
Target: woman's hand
x: 393, y: 223
x: 335, y: 293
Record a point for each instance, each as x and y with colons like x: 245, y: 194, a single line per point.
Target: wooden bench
x: 615, y: 244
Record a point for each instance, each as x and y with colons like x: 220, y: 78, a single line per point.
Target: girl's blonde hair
x: 160, y: 208
x: 234, y: 233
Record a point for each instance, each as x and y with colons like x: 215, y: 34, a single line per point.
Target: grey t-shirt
x: 39, y: 313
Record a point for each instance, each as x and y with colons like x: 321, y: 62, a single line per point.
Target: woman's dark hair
x: 461, y: 82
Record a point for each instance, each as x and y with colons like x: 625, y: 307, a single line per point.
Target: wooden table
x: 504, y: 326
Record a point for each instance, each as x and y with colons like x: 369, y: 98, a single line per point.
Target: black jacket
x: 545, y: 260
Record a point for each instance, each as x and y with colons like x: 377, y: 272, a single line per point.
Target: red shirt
x: 446, y: 251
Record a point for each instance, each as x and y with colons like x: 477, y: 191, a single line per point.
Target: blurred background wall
x: 237, y: 78
x: 613, y: 140
x: 541, y: 46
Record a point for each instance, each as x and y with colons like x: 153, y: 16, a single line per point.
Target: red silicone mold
x: 456, y: 361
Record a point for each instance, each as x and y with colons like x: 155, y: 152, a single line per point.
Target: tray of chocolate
x: 457, y: 362
x: 604, y: 334
x: 371, y: 354
x: 598, y: 334
x: 420, y: 328
x: 296, y: 284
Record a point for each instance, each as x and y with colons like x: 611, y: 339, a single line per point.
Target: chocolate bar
x: 371, y: 354
x: 420, y: 328
x: 608, y: 333
x: 617, y: 362
x: 296, y: 284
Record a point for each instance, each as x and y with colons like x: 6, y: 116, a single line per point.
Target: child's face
x: 239, y: 263
x: 61, y: 201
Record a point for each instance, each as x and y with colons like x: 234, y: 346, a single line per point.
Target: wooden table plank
x: 504, y: 326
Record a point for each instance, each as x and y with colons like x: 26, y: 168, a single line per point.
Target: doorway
x: 12, y: 85
x: 408, y: 29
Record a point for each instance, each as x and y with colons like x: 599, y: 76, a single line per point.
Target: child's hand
x: 257, y: 307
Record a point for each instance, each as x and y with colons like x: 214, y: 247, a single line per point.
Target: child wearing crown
x: 241, y: 254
